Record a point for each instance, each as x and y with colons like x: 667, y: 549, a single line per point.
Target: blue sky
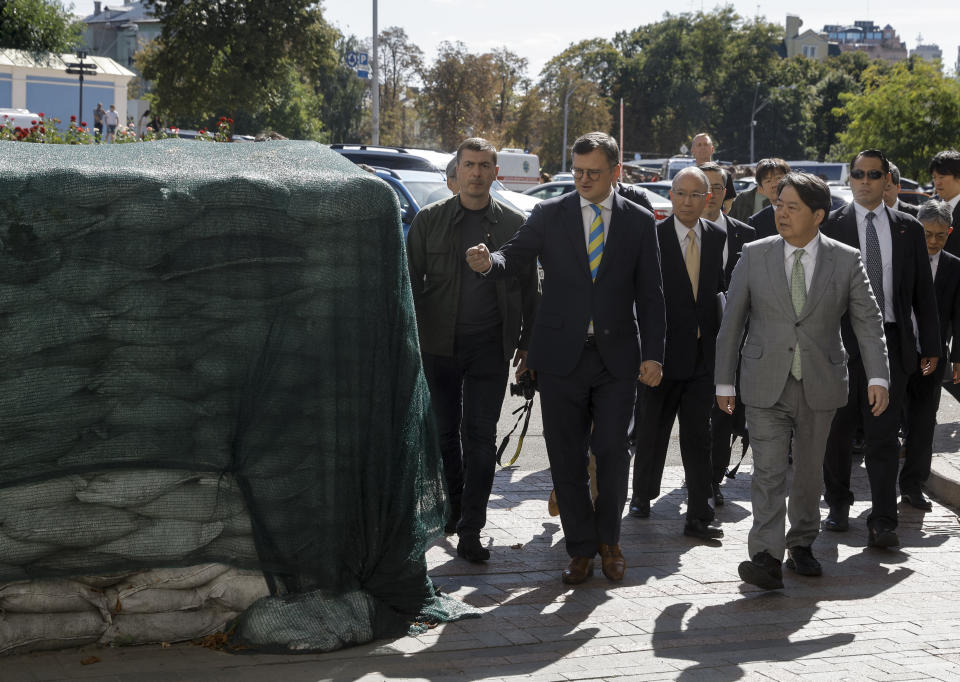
x: 540, y: 29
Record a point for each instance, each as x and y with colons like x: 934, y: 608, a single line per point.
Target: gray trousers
x: 770, y: 432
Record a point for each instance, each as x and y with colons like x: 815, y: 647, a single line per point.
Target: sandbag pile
x: 208, y: 353
x: 147, y: 607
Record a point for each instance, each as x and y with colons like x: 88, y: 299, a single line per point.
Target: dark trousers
x: 466, y: 392
x: 690, y: 401
x: 922, y: 402
x: 588, y: 408
x: 881, y: 446
x: 722, y: 428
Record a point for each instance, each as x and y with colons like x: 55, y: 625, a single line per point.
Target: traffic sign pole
x: 80, y: 70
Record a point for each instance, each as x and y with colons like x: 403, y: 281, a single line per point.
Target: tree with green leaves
x: 911, y: 111
x: 255, y: 62
x: 38, y: 26
x: 401, y: 62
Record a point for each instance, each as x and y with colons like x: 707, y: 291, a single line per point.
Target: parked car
x: 520, y: 201
x: 674, y: 165
x: 18, y: 118
x: 549, y: 190
x: 912, y: 196
x: 395, y: 158
x: 518, y: 169
x: 827, y: 170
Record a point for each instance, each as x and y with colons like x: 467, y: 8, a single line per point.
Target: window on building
x: 810, y: 51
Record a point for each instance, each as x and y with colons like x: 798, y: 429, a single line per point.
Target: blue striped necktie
x: 595, y: 248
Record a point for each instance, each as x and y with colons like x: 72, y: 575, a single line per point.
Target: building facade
x: 42, y: 85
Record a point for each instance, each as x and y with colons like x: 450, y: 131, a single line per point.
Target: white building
x: 43, y: 85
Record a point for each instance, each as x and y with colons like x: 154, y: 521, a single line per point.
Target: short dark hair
x: 770, y: 166
x: 872, y: 154
x: 936, y: 211
x: 714, y: 167
x: 597, y: 140
x: 946, y: 162
x: 813, y: 191
x: 477, y: 144
x: 894, y: 173
x: 452, y: 169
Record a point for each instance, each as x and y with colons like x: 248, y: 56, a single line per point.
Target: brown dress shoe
x: 613, y: 562
x: 580, y: 569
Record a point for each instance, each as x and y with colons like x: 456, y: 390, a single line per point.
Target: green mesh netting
x: 208, y: 352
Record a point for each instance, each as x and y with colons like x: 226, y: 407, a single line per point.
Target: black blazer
x: 912, y: 282
x: 684, y: 314
x: 953, y: 241
x: 764, y: 222
x: 635, y: 194
x: 625, y: 303
x: 947, y: 286
x: 909, y: 209
x: 738, y: 234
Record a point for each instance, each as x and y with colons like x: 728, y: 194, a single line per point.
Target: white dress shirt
x: 882, y: 225
x: 589, y: 215
x: 586, y: 210
x: 809, y: 262
x: 953, y: 203
x: 682, y: 232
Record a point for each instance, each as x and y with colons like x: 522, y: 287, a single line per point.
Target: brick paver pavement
x: 681, y: 612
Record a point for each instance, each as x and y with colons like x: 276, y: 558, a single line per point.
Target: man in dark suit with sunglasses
x: 894, y: 253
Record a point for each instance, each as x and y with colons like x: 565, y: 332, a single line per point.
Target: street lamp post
x: 566, y: 111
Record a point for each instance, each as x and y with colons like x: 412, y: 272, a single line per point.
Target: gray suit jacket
x: 759, y: 292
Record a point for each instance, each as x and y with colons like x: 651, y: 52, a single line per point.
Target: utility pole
x: 80, y: 70
x: 375, y: 113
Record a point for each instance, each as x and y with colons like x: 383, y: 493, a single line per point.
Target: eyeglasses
x: 591, y: 173
x: 695, y: 196
x: 872, y: 174
x: 717, y: 188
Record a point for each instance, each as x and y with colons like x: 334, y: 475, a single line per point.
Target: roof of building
x: 58, y: 62
x: 134, y: 12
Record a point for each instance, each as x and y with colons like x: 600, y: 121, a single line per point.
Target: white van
x: 19, y: 118
x: 518, y: 170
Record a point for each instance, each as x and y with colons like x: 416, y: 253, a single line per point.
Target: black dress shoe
x: 640, y: 509
x: 695, y: 528
x: 802, y: 561
x: 882, y: 537
x: 717, y: 496
x: 470, y: 549
x: 838, y: 520
x: 917, y: 500
x: 763, y: 571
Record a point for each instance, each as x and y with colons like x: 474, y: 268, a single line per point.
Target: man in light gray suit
x: 794, y: 288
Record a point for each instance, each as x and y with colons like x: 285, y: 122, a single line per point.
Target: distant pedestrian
x: 98, y: 115
x: 111, y: 119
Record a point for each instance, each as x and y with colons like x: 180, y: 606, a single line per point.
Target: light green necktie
x: 798, y: 293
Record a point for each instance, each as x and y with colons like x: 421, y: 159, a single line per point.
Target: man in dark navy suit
x: 691, y: 256
x: 895, y: 257
x: 722, y: 424
x: 891, y: 194
x: 945, y: 170
x: 600, y: 326
x: 769, y: 172
x: 923, y: 390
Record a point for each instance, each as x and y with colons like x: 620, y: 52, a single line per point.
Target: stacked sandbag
x: 147, y: 607
x: 178, y: 319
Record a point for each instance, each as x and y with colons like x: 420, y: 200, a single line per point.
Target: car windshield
x: 831, y: 172
x: 426, y: 192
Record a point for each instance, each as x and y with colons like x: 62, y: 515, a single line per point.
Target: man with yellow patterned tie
x: 691, y: 254
x: 600, y: 324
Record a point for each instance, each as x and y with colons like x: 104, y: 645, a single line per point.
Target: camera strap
x: 525, y: 409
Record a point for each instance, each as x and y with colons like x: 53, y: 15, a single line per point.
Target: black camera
x: 526, y: 386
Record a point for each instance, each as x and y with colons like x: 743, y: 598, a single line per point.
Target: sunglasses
x: 872, y: 174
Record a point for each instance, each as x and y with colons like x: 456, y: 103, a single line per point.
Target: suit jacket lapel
x: 899, y: 242
x: 573, y: 226
x: 822, y: 274
x: 776, y: 271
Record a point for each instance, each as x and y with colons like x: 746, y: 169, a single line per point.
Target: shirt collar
x: 810, y: 249
x: 492, y: 213
x: 606, y: 203
x: 935, y: 260
x: 683, y: 230
x: 953, y: 202
x: 862, y: 212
